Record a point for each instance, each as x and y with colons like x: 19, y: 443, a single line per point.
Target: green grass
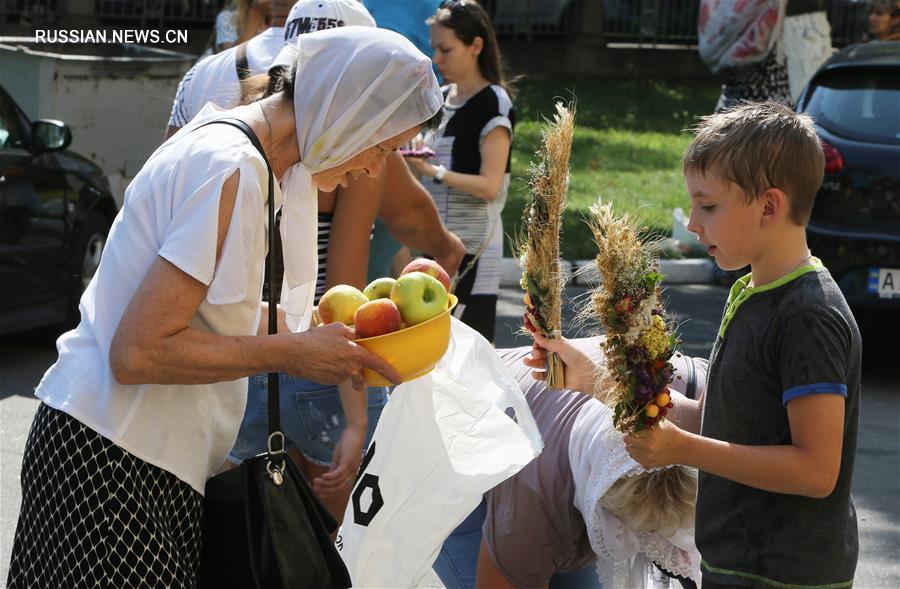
x: 627, y: 148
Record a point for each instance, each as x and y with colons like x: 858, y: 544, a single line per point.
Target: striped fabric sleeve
x: 180, y: 115
x: 819, y: 388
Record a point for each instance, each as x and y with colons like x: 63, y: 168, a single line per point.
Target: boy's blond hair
x: 760, y: 146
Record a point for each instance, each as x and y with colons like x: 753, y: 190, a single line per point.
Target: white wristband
x: 439, y: 172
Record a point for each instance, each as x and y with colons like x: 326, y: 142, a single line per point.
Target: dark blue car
x: 55, y: 212
x: 855, y: 224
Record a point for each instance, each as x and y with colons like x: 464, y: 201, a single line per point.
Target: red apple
x: 380, y: 288
x: 377, y: 317
x: 429, y: 267
x: 339, y: 304
x: 419, y: 297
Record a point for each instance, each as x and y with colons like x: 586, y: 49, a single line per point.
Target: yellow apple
x: 339, y: 304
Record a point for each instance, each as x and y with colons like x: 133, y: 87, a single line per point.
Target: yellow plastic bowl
x: 413, y: 351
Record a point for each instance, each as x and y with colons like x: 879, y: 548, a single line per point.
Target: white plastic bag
x: 441, y: 442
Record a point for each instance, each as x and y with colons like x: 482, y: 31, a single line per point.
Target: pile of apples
x: 386, y: 305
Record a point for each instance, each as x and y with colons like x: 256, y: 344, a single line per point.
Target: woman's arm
x: 486, y: 184
x: 154, y: 342
x: 581, y: 375
x: 409, y: 214
x: 487, y: 575
x: 580, y: 370
x: 808, y: 465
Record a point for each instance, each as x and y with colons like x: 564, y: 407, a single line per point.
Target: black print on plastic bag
x: 365, y: 481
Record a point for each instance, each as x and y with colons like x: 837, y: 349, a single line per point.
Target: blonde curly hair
x: 661, y: 501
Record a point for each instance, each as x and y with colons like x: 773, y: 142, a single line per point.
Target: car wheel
x: 86, y: 259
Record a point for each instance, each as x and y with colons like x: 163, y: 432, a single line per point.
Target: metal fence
x: 654, y: 22
x: 32, y: 12
x: 169, y: 13
x: 650, y: 22
x: 527, y: 20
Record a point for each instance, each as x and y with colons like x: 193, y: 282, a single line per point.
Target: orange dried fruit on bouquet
x: 662, y: 399
x: 651, y: 410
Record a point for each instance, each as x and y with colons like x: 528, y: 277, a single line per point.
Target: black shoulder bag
x: 263, y: 528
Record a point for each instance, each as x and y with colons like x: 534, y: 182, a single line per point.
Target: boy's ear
x: 776, y: 206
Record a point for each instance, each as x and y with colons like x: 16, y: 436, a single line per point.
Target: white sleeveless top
x: 171, y: 210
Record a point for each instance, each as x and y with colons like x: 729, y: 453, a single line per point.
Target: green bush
x: 629, y: 136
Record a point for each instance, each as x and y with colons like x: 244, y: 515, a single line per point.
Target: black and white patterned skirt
x: 756, y: 82
x: 94, y: 515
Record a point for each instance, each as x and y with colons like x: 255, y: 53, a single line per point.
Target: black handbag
x: 263, y: 528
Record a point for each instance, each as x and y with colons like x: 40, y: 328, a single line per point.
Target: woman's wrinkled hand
x: 657, y: 446
x: 328, y: 355
x: 579, y: 368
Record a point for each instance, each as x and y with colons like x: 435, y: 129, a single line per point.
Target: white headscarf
x: 354, y: 88
x: 598, y: 459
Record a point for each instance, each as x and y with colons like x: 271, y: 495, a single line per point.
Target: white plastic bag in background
x: 441, y: 442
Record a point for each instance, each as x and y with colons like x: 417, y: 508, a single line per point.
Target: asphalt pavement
x: 697, y: 308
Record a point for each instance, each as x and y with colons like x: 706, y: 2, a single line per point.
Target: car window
x: 11, y: 133
x: 863, y: 105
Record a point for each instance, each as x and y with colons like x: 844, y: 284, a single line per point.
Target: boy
x: 779, y: 418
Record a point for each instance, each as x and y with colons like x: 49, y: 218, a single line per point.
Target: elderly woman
x: 148, y: 392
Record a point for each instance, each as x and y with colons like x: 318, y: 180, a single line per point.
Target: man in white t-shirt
x: 215, y: 79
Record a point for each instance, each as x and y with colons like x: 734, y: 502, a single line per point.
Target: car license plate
x: 885, y: 282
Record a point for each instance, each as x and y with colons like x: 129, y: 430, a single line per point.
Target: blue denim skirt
x: 312, y: 418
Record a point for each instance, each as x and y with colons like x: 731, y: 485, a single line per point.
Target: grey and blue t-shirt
x: 793, y: 337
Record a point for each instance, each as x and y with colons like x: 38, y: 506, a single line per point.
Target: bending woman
x: 147, y: 395
x: 583, y: 508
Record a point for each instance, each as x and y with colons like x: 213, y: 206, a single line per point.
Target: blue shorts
x: 458, y: 559
x: 312, y: 418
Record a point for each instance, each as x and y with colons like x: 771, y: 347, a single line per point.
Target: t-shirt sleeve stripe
x: 833, y: 388
x: 498, y: 121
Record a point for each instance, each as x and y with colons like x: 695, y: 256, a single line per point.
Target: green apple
x: 419, y: 297
x: 339, y: 304
x: 380, y: 288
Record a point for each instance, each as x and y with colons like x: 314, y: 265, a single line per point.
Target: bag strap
x: 275, y: 441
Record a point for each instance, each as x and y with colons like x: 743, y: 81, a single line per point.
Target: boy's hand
x: 656, y: 447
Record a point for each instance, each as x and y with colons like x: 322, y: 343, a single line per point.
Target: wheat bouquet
x: 639, y: 340
x: 538, y: 245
